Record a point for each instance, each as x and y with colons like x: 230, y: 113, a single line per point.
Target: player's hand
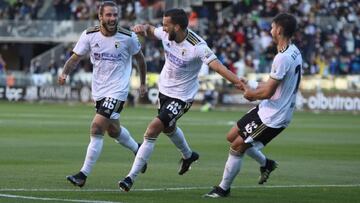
x: 62, y: 79
x: 249, y: 98
x: 140, y: 29
x: 143, y: 90
x: 248, y: 93
x: 243, y: 80
x: 241, y: 84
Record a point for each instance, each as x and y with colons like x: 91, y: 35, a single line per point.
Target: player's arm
x: 262, y: 90
x: 140, y: 59
x: 217, y: 66
x: 69, y: 66
x: 144, y: 30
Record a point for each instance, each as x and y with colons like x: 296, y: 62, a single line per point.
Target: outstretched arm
x: 69, y: 66
x: 264, y: 90
x: 144, y: 30
x: 140, y: 59
x: 217, y: 66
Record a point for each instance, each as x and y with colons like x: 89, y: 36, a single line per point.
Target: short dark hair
x: 287, y: 22
x: 104, y: 4
x: 178, y: 16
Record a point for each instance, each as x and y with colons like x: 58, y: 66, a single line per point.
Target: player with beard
x: 178, y: 84
x: 111, y: 50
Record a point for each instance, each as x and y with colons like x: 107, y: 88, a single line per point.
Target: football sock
x: 257, y: 155
x: 92, y: 154
x: 126, y: 140
x: 232, y: 168
x: 142, y: 157
x: 178, y: 138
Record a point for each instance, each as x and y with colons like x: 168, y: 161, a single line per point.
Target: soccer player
x: 185, y: 52
x: 274, y: 113
x: 111, y: 50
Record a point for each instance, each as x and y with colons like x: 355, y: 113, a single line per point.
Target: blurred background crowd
x: 238, y: 31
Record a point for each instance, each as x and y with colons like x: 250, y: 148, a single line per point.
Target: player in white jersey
x: 111, y: 50
x: 184, y: 54
x: 264, y: 122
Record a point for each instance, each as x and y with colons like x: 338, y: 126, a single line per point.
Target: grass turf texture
x: 318, y: 156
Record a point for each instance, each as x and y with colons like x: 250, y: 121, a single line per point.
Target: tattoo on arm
x: 142, y: 66
x: 150, y: 31
x: 71, y: 64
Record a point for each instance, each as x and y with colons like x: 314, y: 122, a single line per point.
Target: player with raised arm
x: 178, y: 84
x: 111, y: 51
x: 274, y: 113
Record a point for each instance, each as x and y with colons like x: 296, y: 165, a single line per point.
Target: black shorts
x: 171, y: 109
x: 251, y: 125
x: 109, y: 107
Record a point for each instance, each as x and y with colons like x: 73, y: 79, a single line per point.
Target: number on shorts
x: 109, y: 103
x: 174, y: 107
x: 250, y: 127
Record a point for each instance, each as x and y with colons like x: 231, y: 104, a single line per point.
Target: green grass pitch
x: 318, y: 156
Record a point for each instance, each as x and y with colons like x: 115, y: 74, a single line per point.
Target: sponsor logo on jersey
x: 175, y: 60
x: 97, y: 56
x: 107, y: 56
x: 183, y: 52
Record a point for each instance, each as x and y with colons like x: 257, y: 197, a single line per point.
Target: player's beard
x: 172, y: 36
x: 110, y: 28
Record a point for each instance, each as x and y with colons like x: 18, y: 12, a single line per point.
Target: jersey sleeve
x: 279, y: 67
x: 135, y: 45
x: 82, y: 47
x: 159, y: 33
x: 205, y: 53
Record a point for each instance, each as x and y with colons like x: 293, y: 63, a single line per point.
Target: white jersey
x: 179, y: 76
x: 111, y: 58
x: 277, y: 111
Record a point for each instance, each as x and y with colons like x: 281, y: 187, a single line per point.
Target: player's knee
x: 113, y: 131
x: 96, y: 129
x: 231, y: 137
x: 169, y: 131
x: 239, y: 147
x: 154, y: 129
x: 150, y: 132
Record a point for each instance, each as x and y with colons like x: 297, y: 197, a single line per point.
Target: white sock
x: 257, y: 155
x: 142, y: 157
x: 92, y: 154
x: 232, y: 168
x: 126, y: 140
x: 178, y: 138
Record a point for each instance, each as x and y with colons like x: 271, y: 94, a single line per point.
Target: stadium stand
x: 37, y: 36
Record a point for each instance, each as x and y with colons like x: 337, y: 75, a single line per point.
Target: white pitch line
x: 173, y: 189
x: 53, y: 199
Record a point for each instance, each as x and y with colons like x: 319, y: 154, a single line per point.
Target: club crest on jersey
x: 183, y: 52
x: 97, y: 56
x: 117, y: 44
